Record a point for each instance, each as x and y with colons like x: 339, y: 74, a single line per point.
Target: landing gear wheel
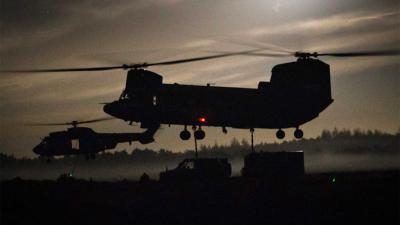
x: 199, y: 134
x: 298, y: 133
x: 280, y: 134
x: 185, y: 135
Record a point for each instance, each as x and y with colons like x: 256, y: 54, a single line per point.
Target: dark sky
x: 55, y: 33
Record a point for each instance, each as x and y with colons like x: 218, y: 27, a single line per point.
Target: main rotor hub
x: 134, y: 66
x: 74, y: 123
x: 306, y: 55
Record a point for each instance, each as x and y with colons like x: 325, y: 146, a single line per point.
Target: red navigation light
x: 202, y: 119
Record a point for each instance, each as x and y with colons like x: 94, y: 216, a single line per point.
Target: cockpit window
x: 75, y: 144
x: 187, y: 165
x: 123, y: 95
x: 127, y: 95
x: 45, y: 141
x: 154, y: 100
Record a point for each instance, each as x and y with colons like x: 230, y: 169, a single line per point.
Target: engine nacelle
x: 141, y: 84
x: 140, y: 80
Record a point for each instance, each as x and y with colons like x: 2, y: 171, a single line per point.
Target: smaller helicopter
x: 83, y: 140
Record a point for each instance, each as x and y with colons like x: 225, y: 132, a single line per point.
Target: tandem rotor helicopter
x: 297, y: 93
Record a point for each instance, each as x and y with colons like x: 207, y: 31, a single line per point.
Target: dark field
x: 340, y: 198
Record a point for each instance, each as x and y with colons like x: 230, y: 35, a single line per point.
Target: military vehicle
x: 203, y: 169
x: 83, y: 140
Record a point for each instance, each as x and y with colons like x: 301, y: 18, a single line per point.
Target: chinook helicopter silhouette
x: 83, y: 140
x: 297, y: 93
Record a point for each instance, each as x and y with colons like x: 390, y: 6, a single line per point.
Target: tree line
x: 335, y: 141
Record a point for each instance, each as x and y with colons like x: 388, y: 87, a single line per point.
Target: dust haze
x: 314, y: 163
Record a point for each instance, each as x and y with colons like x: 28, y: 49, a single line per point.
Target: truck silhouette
x: 204, y: 169
x: 274, y: 165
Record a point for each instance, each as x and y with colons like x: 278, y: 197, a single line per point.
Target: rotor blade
x: 268, y: 54
x: 263, y: 54
x: 201, y: 58
x: 96, y: 120
x: 258, y: 44
x: 358, y: 54
x: 70, y: 123
x: 65, y: 69
x: 128, y: 66
x: 47, y: 124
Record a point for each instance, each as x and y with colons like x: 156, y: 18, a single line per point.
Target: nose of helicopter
x: 38, y: 149
x: 115, y: 109
x: 111, y: 108
x: 120, y: 109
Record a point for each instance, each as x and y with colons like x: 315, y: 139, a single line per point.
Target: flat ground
x: 335, y: 198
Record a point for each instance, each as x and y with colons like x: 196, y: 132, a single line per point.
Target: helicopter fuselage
x: 220, y: 106
x: 83, y: 140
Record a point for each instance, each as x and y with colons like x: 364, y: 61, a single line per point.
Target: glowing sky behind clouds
x: 55, y: 33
